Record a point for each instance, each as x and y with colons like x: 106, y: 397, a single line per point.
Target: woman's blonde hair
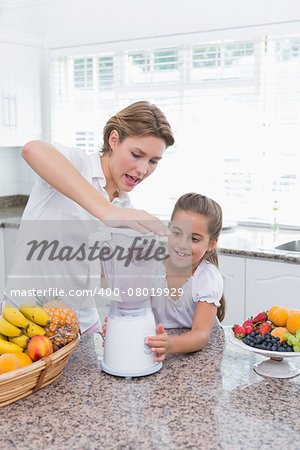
x: 212, y: 211
x: 139, y: 119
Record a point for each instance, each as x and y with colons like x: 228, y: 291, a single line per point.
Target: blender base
x: 131, y: 373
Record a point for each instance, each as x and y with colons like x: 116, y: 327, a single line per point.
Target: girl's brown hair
x: 138, y: 119
x: 212, y: 211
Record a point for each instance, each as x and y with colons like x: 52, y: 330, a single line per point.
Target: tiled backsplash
x: 16, y: 177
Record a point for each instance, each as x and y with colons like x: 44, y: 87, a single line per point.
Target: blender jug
x: 128, y: 260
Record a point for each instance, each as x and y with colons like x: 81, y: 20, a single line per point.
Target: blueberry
x: 277, y: 338
x: 274, y: 348
x: 252, y: 334
x: 252, y: 344
x: 256, y: 332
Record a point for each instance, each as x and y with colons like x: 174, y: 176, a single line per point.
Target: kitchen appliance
x: 128, y: 262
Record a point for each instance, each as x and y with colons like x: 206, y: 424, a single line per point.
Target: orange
x: 278, y: 315
x: 24, y: 359
x: 8, y: 362
x: 279, y: 332
x: 293, y: 321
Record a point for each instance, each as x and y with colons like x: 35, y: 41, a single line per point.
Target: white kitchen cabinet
x: 271, y: 283
x: 10, y: 238
x: 233, y: 271
x: 20, y: 93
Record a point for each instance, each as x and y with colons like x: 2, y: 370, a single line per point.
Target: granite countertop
x: 210, y: 399
x: 258, y: 242
x: 11, y: 210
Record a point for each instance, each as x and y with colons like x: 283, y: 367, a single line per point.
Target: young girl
x: 75, y: 186
x: 190, y: 276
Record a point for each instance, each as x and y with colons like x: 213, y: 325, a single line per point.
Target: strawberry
x: 261, y: 317
x: 265, y: 328
x: 239, y: 332
x: 234, y: 327
x: 248, y: 323
x: 249, y: 329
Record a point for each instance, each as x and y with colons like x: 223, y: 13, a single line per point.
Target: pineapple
x: 64, y: 323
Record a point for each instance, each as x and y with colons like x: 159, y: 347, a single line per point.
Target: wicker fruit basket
x: 27, y: 380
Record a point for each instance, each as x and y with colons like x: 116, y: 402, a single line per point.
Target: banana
x: 35, y: 313
x: 9, y: 347
x: 2, y: 337
x: 34, y: 329
x: 14, y: 316
x: 21, y: 341
x: 8, y: 329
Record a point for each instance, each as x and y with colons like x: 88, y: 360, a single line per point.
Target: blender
x: 128, y: 262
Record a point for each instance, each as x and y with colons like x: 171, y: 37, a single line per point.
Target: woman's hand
x: 161, y: 344
x: 136, y: 219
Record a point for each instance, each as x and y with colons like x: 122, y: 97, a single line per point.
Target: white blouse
x: 205, y: 285
x: 47, y: 203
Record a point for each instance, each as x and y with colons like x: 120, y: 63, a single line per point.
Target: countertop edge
x: 280, y: 256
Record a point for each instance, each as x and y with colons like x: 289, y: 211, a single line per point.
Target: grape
x: 269, y: 342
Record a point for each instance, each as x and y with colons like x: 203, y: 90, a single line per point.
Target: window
x: 234, y: 107
x: 83, y: 73
x: 106, y: 72
x: 85, y: 140
x: 152, y: 66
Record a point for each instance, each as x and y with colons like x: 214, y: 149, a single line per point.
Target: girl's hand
x: 136, y: 219
x: 160, y: 344
x: 103, y: 331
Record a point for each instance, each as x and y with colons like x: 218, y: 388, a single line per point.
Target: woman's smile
x: 132, y: 181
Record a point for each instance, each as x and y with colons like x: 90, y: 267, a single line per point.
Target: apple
x: 39, y: 346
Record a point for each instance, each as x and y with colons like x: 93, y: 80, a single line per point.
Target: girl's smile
x: 181, y: 254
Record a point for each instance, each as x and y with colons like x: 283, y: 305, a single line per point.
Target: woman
x: 74, y: 185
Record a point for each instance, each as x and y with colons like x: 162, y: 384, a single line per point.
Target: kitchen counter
x: 11, y: 210
x: 258, y: 242
x: 210, y: 399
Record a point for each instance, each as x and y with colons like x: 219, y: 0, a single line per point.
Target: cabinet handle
x: 13, y: 111
x: 7, y: 111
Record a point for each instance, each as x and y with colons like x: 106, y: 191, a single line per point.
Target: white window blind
x: 234, y: 107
